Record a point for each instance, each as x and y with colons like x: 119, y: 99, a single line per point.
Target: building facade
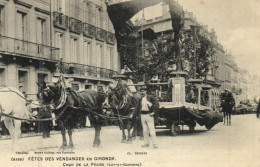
x: 41, y: 39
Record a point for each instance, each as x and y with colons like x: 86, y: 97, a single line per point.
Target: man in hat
x: 147, y: 107
x: 227, y: 105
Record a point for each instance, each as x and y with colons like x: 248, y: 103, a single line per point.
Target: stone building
x: 40, y: 39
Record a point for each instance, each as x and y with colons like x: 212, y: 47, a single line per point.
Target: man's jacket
x: 151, y: 99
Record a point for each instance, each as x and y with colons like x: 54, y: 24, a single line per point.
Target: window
x: 1, y: 24
x: 87, y: 52
x: 74, y: 50
x: 60, y: 6
x: 109, y: 58
x: 42, y: 79
x: 41, y: 31
x: 59, y: 43
x: 88, y: 86
x: 99, y: 54
x: 2, y: 76
x: 86, y: 13
x: 91, y: 13
x: 21, y: 25
x: 23, y: 81
x: 98, y: 17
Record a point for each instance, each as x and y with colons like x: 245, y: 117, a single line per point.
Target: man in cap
x: 147, y: 107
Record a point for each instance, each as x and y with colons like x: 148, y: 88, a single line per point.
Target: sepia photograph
x: 115, y: 83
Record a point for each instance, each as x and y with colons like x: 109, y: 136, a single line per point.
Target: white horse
x: 13, y: 103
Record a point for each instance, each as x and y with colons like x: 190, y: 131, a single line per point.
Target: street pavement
x: 222, y: 146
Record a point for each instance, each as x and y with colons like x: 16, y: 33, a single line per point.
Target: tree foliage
x: 155, y: 57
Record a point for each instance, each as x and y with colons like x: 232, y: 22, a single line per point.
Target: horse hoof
x: 63, y: 148
x: 141, y: 138
x: 70, y: 148
x: 123, y: 141
x: 133, y: 138
x: 129, y: 142
x: 95, y: 145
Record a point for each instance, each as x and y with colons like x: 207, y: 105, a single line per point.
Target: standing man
x: 258, y: 109
x: 227, y: 105
x: 147, y: 107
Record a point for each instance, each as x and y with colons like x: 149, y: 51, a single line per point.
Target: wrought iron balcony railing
x: 10, y: 45
x: 86, y: 70
x: 111, y: 38
x: 75, y: 25
x: 89, y: 30
x: 60, y: 20
x: 101, y: 34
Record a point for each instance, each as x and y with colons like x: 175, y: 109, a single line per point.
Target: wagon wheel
x: 192, y: 125
x: 192, y: 128
x: 174, y: 129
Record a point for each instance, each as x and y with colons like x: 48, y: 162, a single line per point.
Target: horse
x: 124, y: 102
x: 13, y: 104
x: 70, y: 106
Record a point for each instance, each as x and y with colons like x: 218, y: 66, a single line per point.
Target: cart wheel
x: 174, y: 129
x: 191, y: 128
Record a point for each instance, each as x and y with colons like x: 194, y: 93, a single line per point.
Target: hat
x: 143, y: 88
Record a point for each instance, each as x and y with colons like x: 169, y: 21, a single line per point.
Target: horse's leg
x: 97, y: 142
x: 224, y: 117
x: 227, y: 115
x: 63, y: 133
x: 229, y: 118
x: 129, y: 127
x: 123, y: 136
x: 10, y: 126
x: 134, y: 133
x: 17, y: 133
x: 71, y: 146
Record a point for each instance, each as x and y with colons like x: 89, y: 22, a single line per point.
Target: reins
x: 62, y: 104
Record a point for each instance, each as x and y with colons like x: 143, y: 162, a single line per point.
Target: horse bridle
x: 118, y: 101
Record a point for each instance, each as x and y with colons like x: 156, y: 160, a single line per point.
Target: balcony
x: 18, y: 47
x: 75, y: 25
x: 101, y: 34
x: 210, y: 78
x: 110, y: 38
x: 60, y: 20
x: 85, y: 70
x: 89, y: 30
